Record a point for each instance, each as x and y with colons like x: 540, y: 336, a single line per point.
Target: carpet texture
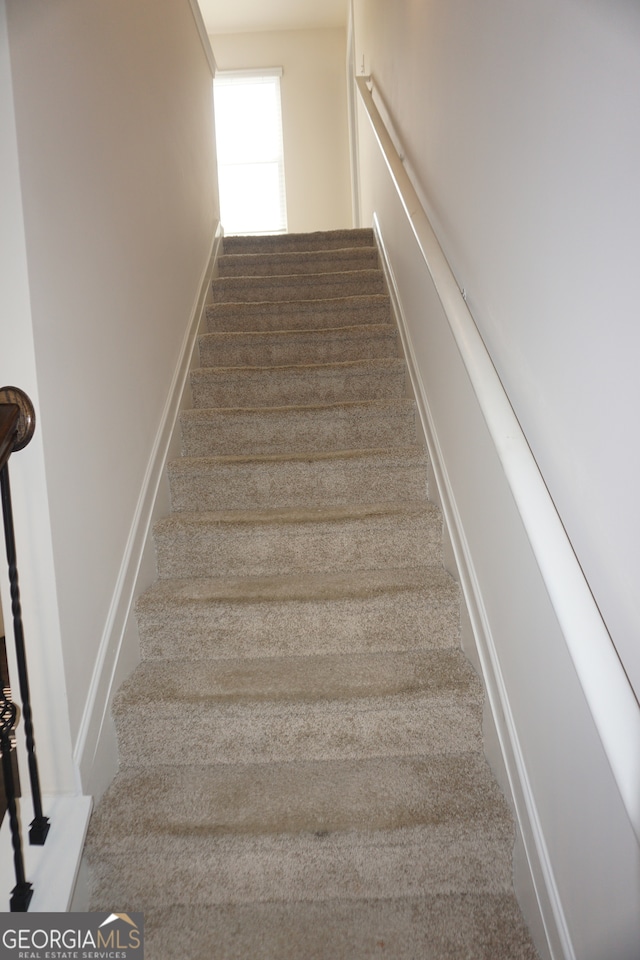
x: 301, y: 765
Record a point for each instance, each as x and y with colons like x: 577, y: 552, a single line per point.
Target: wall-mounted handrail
x: 611, y: 699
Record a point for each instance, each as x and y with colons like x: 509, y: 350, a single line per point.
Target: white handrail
x: 610, y: 697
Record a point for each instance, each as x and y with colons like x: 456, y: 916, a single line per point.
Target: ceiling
x: 242, y: 16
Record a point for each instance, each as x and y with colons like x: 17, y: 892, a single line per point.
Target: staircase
x: 302, y: 773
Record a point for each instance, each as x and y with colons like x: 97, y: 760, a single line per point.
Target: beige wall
x: 519, y: 124
x: 520, y: 128
x: 108, y: 176
x: 314, y: 116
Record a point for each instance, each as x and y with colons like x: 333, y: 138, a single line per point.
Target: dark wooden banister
x: 9, y: 417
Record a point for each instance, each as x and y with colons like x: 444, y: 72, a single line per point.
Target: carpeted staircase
x: 302, y: 775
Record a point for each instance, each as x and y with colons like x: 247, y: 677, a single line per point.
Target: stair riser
x: 244, y: 432
x: 296, y: 315
x: 296, y: 484
x: 301, y: 242
x: 209, y: 550
x: 299, y: 732
x: 197, y: 630
x: 251, y: 290
x: 264, y: 387
x: 290, y: 264
x: 273, y: 350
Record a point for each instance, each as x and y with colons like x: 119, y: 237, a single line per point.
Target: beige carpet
x: 302, y: 775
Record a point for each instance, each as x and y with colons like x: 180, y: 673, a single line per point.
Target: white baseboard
x: 533, y: 878
x: 51, y: 869
x: 95, y: 751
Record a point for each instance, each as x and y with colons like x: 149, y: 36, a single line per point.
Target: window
x: 250, y: 154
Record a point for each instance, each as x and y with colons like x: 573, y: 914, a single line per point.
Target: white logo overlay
x: 71, y: 936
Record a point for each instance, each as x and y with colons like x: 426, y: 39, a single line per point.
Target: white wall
x: 453, y: 82
x: 521, y: 124
x: 27, y: 471
x: 114, y: 168
x: 314, y: 117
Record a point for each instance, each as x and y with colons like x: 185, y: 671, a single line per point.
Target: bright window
x: 250, y: 154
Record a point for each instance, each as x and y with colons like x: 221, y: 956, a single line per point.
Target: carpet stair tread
x: 272, y: 731
x: 297, y: 262
x: 326, y: 874
x: 298, y: 383
x: 295, y: 480
x: 286, y: 242
x: 299, y: 314
x: 265, y: 710
x: 395, y: 456
x: 303, y: 588
x: 310, y: 678
x: 362, y: 801
x: 277, y: 347
x: 372, y: 611
x: 299, y: 427
x: 309, y: 286
x: 310, y: 516
x: 290, y: 540
x: 278, y: 832
x: 429, y: 927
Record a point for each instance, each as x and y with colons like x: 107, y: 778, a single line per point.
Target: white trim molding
x: 511, y: 755
x: 95, y: 750
x: 255, y: 72
x: 204, y: 36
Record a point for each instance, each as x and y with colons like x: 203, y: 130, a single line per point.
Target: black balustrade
x: 17, y: 424
x: 23, y: 891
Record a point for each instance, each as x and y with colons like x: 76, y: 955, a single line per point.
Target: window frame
x: 259, y: 74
